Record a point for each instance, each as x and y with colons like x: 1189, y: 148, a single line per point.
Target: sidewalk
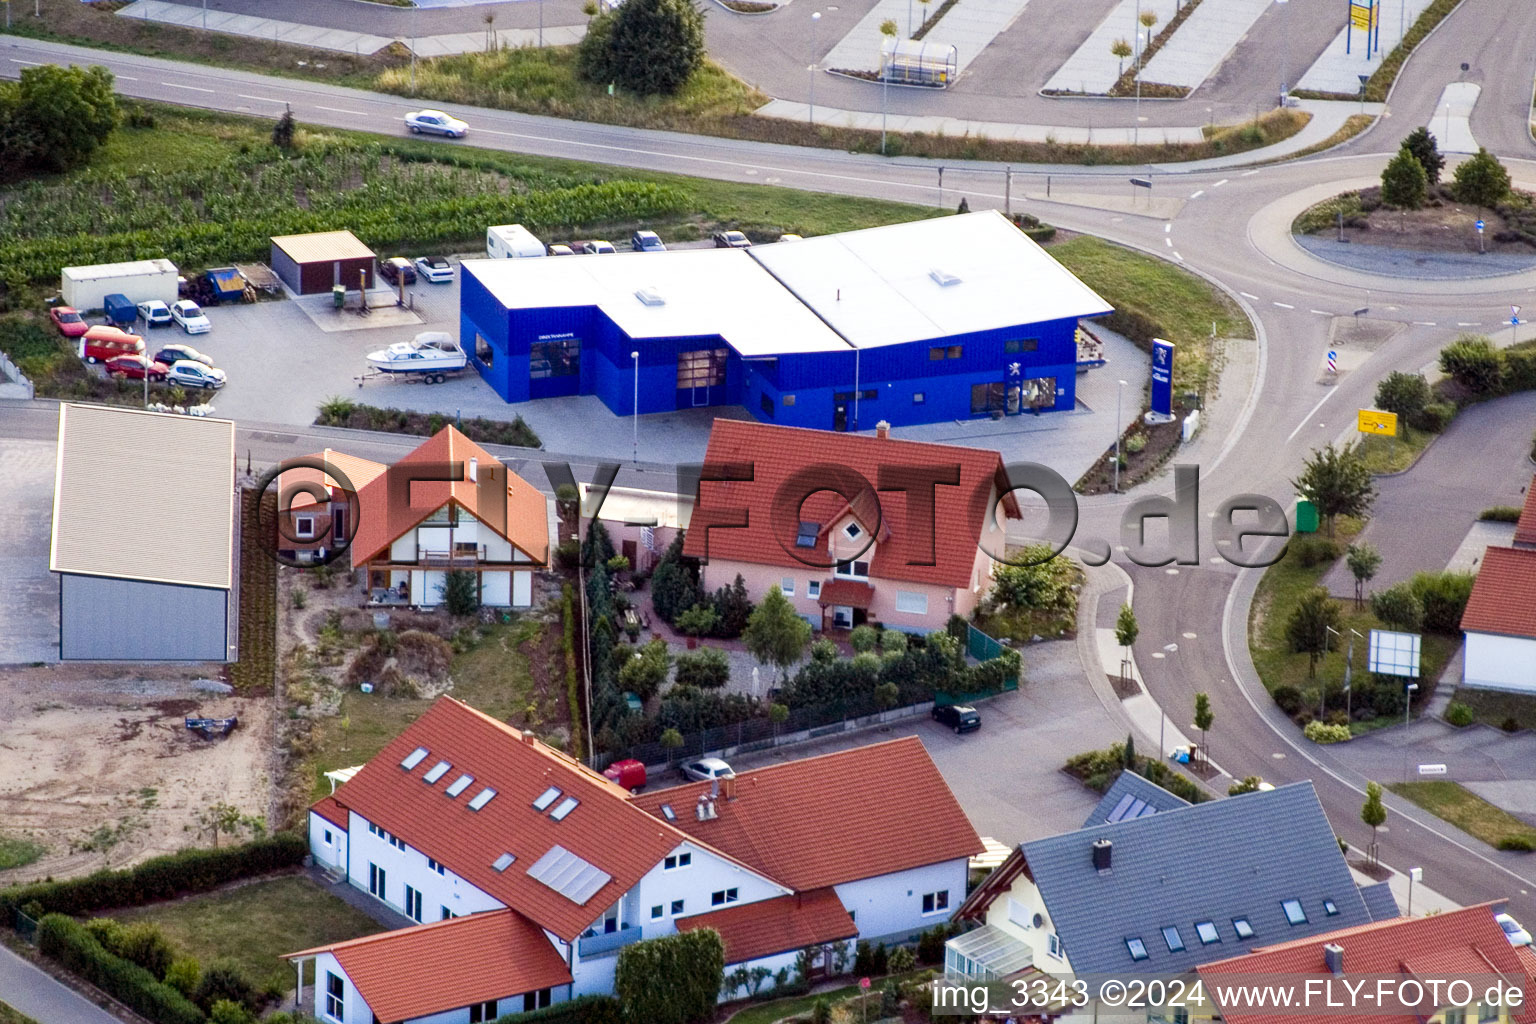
x: 1092, y: 68
x: 1203, y: 42
x: 788, y: 110
x: 1337, y: 71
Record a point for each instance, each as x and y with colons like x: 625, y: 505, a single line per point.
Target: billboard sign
x: 1374, y: 421
x: 1394, y: 654
x: 1162, y: 378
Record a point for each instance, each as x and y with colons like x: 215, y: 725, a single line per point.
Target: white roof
x: 633, y: 505
x: 703, y: 292
x: 880, y: 286
x: 134, y: 268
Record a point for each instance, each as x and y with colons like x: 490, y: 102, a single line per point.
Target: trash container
x: 339, y: 295
x: 1306, y: 517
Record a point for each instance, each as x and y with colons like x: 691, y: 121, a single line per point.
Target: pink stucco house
x: 851, y: 528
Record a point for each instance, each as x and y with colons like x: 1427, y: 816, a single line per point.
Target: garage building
x: 319, y: 261
x: 144, y: 526
x: 948, y: 318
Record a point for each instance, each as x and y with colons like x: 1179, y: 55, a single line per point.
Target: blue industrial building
x: 912, y: 323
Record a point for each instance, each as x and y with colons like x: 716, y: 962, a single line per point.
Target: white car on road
x: 1516, y: 935
x: 437, y: 123
x: 190, y: 316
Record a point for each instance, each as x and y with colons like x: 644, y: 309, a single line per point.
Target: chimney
x: 1333, y: 957
x: 474, y: 469
x: 883, y: 430
x: 1102, y: 850
x: 529, y: 738
x: 700, y: 809
x: 730, y: 789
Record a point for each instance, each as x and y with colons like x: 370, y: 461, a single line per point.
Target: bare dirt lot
x: 101, y: 770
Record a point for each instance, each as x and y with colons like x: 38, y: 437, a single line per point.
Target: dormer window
x: 805, y: 535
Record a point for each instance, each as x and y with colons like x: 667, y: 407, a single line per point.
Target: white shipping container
x: 512, y: 241
x: 85, y: 288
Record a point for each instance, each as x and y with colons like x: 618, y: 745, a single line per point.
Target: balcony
x: 462, y: 556
x: 609, y: 942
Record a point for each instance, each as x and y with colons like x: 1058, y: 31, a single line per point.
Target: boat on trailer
x: 430, y: 352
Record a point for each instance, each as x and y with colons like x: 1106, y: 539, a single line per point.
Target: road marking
x: 1177, y: 256
x: 1167, y: 228
x: 1249, y: 295
x: 1220, y: 183
x: 1285, y: 305
x: 126, y: 78
x: 1308, y: 417
x: 1169, y: 241
x: 1321, y: 312
x: 1472, y: 324
x: 1424, y: 323
x: 1198, y: 193
x: 338, y: 110
x: 193, y: 88
x: 34, y: 63
x: 1248, y: 174
x: 263, y: 99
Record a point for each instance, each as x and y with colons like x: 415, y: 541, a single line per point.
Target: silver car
x: 707, y: 769
x: 191, y: 374
x: 436, y: 122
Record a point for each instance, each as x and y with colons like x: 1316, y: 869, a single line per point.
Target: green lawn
x: 1184, y: 304
x: 1466, y: 810
x: 1382, y: 454
x: 256, y: 924
x: 17, y: 851
x: 1497, y: 709
x: 10, y: 1016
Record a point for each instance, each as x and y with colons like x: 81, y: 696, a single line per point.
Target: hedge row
x: 71, y: 944
x: 384, y: 226
x: 161, y: 878
x: 582, y: 1010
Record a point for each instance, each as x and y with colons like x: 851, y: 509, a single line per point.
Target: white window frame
x: 677, y: 861
x: 911, y: 596
x: 853, y: 531
x: 304, y: 527
x: 1055, y: 947
x: 335, y: 1002
x: 787, y: 586
x: 813, y: 588
x: 852, y: 570
x: 725, y: 897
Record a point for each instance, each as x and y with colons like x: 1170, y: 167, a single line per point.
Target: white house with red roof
x: 530, y: 871
x: 852, y: 528
x: 1500, y: 617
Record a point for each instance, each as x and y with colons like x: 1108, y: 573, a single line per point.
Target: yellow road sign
x: 1374, y: 421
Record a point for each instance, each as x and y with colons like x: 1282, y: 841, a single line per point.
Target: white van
x: 512, y: 241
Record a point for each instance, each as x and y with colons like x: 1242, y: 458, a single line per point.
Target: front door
x: 338, y: 526
x: 840, y: 415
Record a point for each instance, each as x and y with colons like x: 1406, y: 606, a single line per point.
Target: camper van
x: 512, y: 241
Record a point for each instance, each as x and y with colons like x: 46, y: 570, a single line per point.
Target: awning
x: 997, y: 953
x: 846, y: 593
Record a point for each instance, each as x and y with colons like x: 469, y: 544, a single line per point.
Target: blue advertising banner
x: 1162, y: 377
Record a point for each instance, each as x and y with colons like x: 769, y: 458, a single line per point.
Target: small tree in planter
x: 700, y: 620
x: 670, y: 740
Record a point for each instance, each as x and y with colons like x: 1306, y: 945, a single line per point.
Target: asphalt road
x: 1212, y: 231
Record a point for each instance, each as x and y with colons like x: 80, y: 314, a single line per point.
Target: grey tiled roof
x: 1131, y: 796
x: 1380, y: 902
x: 1239, y: 857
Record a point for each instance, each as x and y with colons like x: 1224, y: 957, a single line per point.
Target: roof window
x: 503, y: 862
x: 546, y: 798
x: 482, y: 798
x: 1294, y: 912
x: 566, y: 807
x: 460, y: 784
x: 414, y: 758
x: 438, y: 771
x: 1136, y: 948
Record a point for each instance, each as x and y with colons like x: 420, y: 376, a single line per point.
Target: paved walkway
x: 1197, y: 49
x: 35, y: 993
x: 1452, y: 120
x: 870, y: 120
x: 1338, y: 71
x: 1092, y: 69
x: 340, y: 40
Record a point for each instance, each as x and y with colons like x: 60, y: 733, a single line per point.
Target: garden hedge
x: 72, y: 945
x: 160, y: 878
x: 581, y: 1010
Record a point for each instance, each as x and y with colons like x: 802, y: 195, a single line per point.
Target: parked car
x: 561, y: 249
x: 732, y: 240
x: 172, y: 354
x: 436, y: 269
x: 192, y: 374
x: 397, y: 268
x: 790, y: 238
x: 155, y: 313
x: 435, y: 122
x: 68, y: 320
x: 646, y: 241
x: 707, y: 769
x: 959, y: 717
x: 133, y: 367
x: 1516, y: 935
x: 190, y: 316
x: 628, y: 773
x: 597, y: 247
x: 101, y: 343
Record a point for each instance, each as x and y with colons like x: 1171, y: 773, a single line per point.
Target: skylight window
x: 1243, y: 928
x: 1330, y: 908
x: 1173, y: 938
x: 414, y: 758
x: 566, y: 807
x: 1137, y: 949
x: 460, y: 784
x: 482, y: 798
x: 805, y: 537
x: 546, y: 798
x: 668, y: 813
x: 1294, y: 912
x: 438, y: 771
x: 503, y: 862
x: 1207, y: 932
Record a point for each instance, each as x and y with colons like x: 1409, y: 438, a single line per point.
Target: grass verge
x: 255, y: 924
x: 1352, y: 126
x: 18, y: 852
x: 341, y: 412
x: 254, y: 672
x: 1382, y: 454
x: 9, y: 1015
x: 1466, y: 810
x: 1500, y: 710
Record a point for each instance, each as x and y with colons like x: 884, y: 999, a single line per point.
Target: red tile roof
x: 1504, y: 598
x: 1458, y: 943
x: 358, y: 473
x: 605, y: 829
x: 825, y: 820
x: 431, y: 968
x: 331, y: 811
x: 776, y: 454
x: 848, y: 593
x: 779, y: 925
x: 1525, y: 527
x: 524, y: 521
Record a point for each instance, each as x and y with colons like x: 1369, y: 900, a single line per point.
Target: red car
x: 134, y: 367
x: 69, y: 322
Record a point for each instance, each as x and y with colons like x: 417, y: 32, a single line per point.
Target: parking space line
x: 1220, y: 183
x: 1169, y: 241
x: 1167, y: 228
x: 1321, y: 312
x: 34, y: 63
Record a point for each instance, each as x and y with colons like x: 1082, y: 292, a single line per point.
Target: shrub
x: 1136, y: 327
x: 146, y: 945
x: 568, y: 554
x: 863, y: 959
x: 1399, y: 608
x: 1404, y: 183
x: 1481, y: 180
x: 1474, y: 363
x: 1459, y: 715
x: 581, y: 1010
x: 1387, y: 699
x: 1288, y: 698
x: 1337, y: 717
x: 1500, y: 514
x: 1444, y: 597
x: 184, y: 974
x: 930, y: 945
x: 225, y: 979
x: 902, y: 960
x: 823, y: 650
x: 1313, y: 550
x: 700, y: 620
x: 821, y: 1011
x: 1403, y: 393
x: 650, y: 47
x: 1434, y: 417
x: 1518, y: 844
x: 893, y: 641
x: 461, y: 592
x: 1510, y: 725
x: 1319, y: 732
x: 674, y: 979
x: 864, y: 638
x: 707, y: 668
x: 73, y: 946
x: 1136, y: 443
x: 1424, y: 149
x: 226, y: 1012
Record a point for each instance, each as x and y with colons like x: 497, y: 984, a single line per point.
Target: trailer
x: 409, y: 377
x: 120, y: 309
x: 512, y: 241
x: 86, y: 288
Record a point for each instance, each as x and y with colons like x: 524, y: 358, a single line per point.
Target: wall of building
x: 890, y: 907
x: 504, y: 1005
x: 758, y: 578
x: 1013, y: 912
x: 694, y: 884
x: 102, y: 618
x: 1500, y: 663
x: 327, y: 843
x: 353, y: 1008
x: 408, y: 867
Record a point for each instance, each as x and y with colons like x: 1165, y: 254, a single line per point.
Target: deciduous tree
x: 775, y: 634
x: 1307, y: 628
x: 1481, y: 180
x: 1363, y: 561
x: 1337, y: 482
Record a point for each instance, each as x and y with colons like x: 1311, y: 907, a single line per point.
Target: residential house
x: 852, y: 528
x: 1152, y: 885
x: 531, y: 871
x: 319, y: 508
x: 1466, y: 943
x: 450, y: 505
x: 642, y: 524
x: 1500, y: 621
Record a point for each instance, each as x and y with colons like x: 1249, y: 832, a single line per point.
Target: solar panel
x: 566, y: 807
x: 503, y: 862
x: 1120, y: 808
x: 482, y: 798
x: 460, y: 784
x: 1147, y: 811
x: 437, y: 772
x: 414, y: 758
x: 546, y: 798
x: 569, y: 875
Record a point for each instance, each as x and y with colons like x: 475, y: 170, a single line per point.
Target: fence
x: 26, y: 928
x: 981, y: 646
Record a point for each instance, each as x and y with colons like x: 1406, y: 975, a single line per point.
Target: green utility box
x: 1306, y: 517
x: 339, y: 295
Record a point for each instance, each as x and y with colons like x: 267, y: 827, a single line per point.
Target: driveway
x: 29, y: 616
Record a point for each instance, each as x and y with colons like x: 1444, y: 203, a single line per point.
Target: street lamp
x: 1285, y: 69
x: 635, y: 355
x: 815, y: 20
x: 414, y: 10
x: 1120, y: 391
x: 1408, y: 703
x: 1322, y: 684
x: 1136, y: 132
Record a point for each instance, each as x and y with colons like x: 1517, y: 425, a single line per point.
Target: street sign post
x: 1374, y: 421
x: 1479, y: 226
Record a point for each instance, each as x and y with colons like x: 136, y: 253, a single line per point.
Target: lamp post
x: 414, y: 9
x: 635, y: 417
x: 1119, y: 391
x: 1285, y: 69
x: 1407, y: 711
x: 1322, y: 684
x: 1136, y: 131
x: 541, y: 23
x: 815, y: 20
